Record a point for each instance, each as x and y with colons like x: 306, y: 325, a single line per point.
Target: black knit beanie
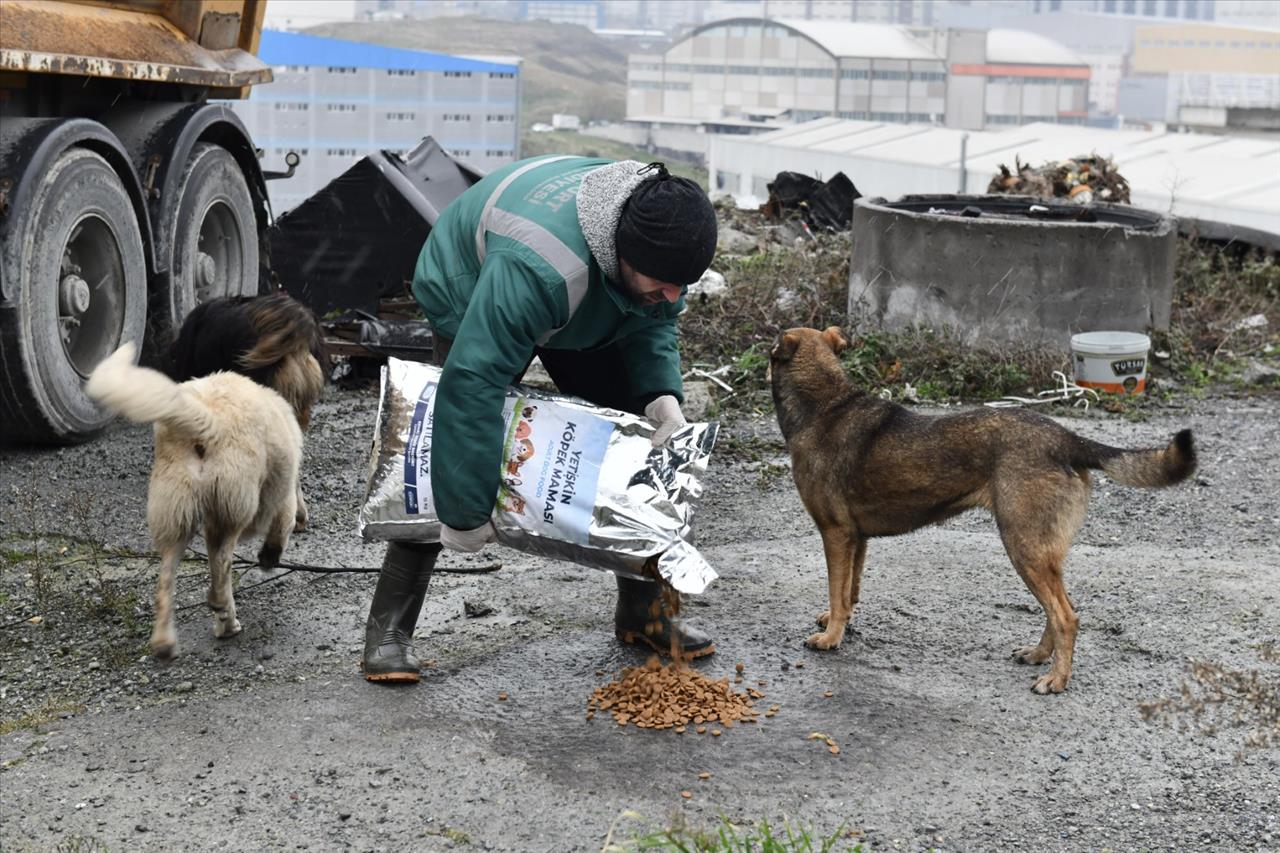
x: 667, y: 229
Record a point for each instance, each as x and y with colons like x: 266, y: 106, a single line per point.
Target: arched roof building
x: 758, y: 70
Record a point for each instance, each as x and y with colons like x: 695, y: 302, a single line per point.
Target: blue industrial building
x: 334, y: 101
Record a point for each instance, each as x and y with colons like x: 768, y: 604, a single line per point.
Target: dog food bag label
x: 550, y: 467
x: 577, y: 482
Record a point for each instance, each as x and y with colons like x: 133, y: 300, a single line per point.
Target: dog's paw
x: 825, y: 640
x: 223, y: 627
x: 823, y: 618
x: 1052, y: 682
x: 1032, y: 654
x: 269, y: 555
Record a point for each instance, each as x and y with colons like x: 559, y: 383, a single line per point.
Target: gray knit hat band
x: 601, y: 197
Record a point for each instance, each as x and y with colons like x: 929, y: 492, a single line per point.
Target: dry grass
x: 48, y: 712
x: 1215, y: 289
x: 1214, y: 697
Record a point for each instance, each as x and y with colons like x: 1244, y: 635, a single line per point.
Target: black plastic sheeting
x: 358, y: 239
x: 825, y: 205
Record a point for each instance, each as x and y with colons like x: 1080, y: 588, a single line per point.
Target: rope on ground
x: 1066, y: 391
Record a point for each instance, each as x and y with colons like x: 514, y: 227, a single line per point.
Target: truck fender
x: 29, y: 147
x: 160, y: 138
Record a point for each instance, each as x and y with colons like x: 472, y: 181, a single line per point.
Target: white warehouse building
x: 753, y: 70
x: 807, y: 69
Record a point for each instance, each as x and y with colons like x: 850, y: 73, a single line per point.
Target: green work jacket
x: 507, y: 268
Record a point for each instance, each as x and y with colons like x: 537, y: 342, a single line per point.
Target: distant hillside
x: 586, y: 145
x: 567, y: 68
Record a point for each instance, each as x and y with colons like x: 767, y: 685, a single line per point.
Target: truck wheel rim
x: 91, y: 294
x: 219, y: 254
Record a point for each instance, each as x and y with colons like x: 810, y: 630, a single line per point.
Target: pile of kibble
x: 658, y: 696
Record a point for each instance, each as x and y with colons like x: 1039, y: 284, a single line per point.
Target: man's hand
x: 664, y: 413
x: 467, y: 540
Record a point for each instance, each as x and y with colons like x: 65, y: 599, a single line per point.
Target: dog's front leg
x: 853, y: 583
x: 164, y: 634
x: 220, y: 599
x: 839, y: 547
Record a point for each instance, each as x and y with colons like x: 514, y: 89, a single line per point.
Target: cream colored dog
x: 226, y: 462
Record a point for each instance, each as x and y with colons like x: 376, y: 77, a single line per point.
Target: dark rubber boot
x: 639, y: 608
x: 397, y: 601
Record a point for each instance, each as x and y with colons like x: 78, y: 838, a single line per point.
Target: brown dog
x: 867, y: 467
x: 226, y: 462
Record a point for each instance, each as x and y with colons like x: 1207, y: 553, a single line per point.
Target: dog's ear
x: 835, y: 340
x: 786, y: 346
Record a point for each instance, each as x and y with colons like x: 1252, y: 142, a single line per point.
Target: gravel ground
x: 271, y: 739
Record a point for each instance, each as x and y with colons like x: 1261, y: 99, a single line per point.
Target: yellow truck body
x: 197, y: 42
x: 129, y: 191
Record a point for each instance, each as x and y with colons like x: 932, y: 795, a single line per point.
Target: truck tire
x: 82, y: 292
x: 215, y: 241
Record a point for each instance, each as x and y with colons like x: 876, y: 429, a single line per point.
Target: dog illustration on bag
x: 521, y: 452
x: 512, y: 503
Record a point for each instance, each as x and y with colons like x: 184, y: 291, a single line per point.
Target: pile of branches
x: 1082, y: 180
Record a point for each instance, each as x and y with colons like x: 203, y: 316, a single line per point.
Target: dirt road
x: 271, y: 739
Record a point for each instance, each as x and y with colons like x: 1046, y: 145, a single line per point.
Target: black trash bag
x: 826, y: 206
x: 789, y: 189
x: 358, y: 239
x: 831, y: 204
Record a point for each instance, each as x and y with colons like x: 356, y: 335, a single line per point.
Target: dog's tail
x: 1152, y: 468
x: 145, y: 395
x: 285, y: 328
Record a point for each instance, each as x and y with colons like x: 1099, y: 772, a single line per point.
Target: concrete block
x: 1003, y: 276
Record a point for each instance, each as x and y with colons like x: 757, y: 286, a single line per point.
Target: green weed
x: 756, y: 837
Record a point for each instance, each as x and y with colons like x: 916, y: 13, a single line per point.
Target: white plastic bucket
x: 1111, y: 361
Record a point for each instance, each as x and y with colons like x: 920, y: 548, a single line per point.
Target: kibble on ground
x: 662, y: 696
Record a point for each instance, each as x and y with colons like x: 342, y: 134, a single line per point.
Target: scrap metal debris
x: 1082, y: 180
